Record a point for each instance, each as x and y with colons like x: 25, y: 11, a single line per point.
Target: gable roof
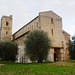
x: 50, y: 14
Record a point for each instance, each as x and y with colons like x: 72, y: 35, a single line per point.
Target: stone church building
x: 49, y: 22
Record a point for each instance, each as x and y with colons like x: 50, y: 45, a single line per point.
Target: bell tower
x: 6, y: 28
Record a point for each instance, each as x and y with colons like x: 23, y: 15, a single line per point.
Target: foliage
x: 8, y: 51
x: 37, y: 45
x: 71, y: 48
x: 38, y: 69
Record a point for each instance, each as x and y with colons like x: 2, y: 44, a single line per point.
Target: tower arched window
x: 7, y: 23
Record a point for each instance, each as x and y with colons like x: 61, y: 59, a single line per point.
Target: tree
x: 71, y: 48
x: 8, y: 51
x: 37, y: 45
x: 1, y: 50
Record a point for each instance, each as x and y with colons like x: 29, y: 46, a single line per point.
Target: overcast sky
x: 24, y: 11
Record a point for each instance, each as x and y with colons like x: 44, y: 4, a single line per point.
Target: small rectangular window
x: 52, y: 31
x: 51, y: 20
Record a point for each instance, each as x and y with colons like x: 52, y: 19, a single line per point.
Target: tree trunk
x: 40, y: 59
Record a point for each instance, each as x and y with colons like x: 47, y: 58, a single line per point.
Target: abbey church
x: 49, y: 22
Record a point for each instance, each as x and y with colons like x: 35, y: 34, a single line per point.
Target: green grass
x: 56, y: 68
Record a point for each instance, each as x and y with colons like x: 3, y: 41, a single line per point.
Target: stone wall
x: 67, y: 38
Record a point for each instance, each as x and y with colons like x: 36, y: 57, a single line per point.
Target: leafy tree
x: 71, y: 48
x: 37, y: 45
x: 8, y: 51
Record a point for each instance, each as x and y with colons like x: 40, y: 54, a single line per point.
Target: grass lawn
x: 56, y: 68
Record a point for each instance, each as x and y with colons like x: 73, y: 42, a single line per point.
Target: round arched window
x: 6, y: 32
x: 7, y: 23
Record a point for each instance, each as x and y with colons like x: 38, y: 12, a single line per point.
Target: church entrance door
x: 57, y: 55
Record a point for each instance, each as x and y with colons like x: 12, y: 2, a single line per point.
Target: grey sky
x: 25, y: 10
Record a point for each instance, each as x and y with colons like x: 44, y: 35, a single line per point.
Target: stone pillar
x: 20, y: 53
x: 51, y: 55
x: 62, y: 54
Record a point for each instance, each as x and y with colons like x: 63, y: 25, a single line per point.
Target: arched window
x: 6, y: 32
x: 7, y: 23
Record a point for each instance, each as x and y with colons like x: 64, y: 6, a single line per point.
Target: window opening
x: 51, y: 20
x: 7, y: 23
